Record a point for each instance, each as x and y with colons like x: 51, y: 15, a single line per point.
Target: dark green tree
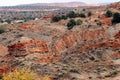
x: 82, y: 15
x: 71, y: 14
x: 64, y: 17
x: 109, y: 13
x: 56, y: 18
x: 71, y: 24
x: 116, y: 18
x: 8, y: 21
x: 89, y: 13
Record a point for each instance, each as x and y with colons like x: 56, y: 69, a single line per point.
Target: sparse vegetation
x: 92, y: 58
x: 99, y: 23
x: 112, y: 73
x: 23, y: 74
x: 70, y: 15
x: 46, y: 77
x: 74, y: 70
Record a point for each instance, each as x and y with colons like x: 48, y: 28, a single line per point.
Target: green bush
x: 1, y: 76
x: 71, y: 14
x: 1, y: 21
x: 89, y: 13
x: 116, y: 18
x: 56, y: 18
x: 109, y: 13
x: 23, y: 74
x: 74, y: 70
x: 92, y: 58
x: 78, y: 22
x: 82, y: 15
x: 99, y: 23
x: 8, y: 21
x: 2, y: 29
x: 71, y: 24
x: 112, y: 73
x: 77, y: 14
x: 64, y: 17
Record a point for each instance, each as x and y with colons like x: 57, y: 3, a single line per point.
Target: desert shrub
x: 56, y: 18
x: 8, y: 21
x: 92, y: 58
x: 23, y: 74
x: 77, y: 14
x: 84, y: 9
x: 46, y: 77
x: 1, y: 21
x: 96, y: 20
x: 89, y: 13
x: 116, y: 18
x: 99, y: 23
x: 71, y: 24
x: 74, y: 70
x: 71, y: 14
x: 109, y: 13
x: 1, y: 76
x: 64, y: 17
x: 2, y: 29
x: 112, y: 73
x: 78, y: 22
x: 82, y: 15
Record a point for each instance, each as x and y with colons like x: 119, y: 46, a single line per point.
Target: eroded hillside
x: 86, y: 52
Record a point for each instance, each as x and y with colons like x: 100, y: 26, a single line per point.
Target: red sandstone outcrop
x: 65, y: 42
x: 28, y: 26
x: 71, y: 38
x: 24, y: 48
x: 38, y: 49
x: 6, y: 68
x: 3, y: 51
